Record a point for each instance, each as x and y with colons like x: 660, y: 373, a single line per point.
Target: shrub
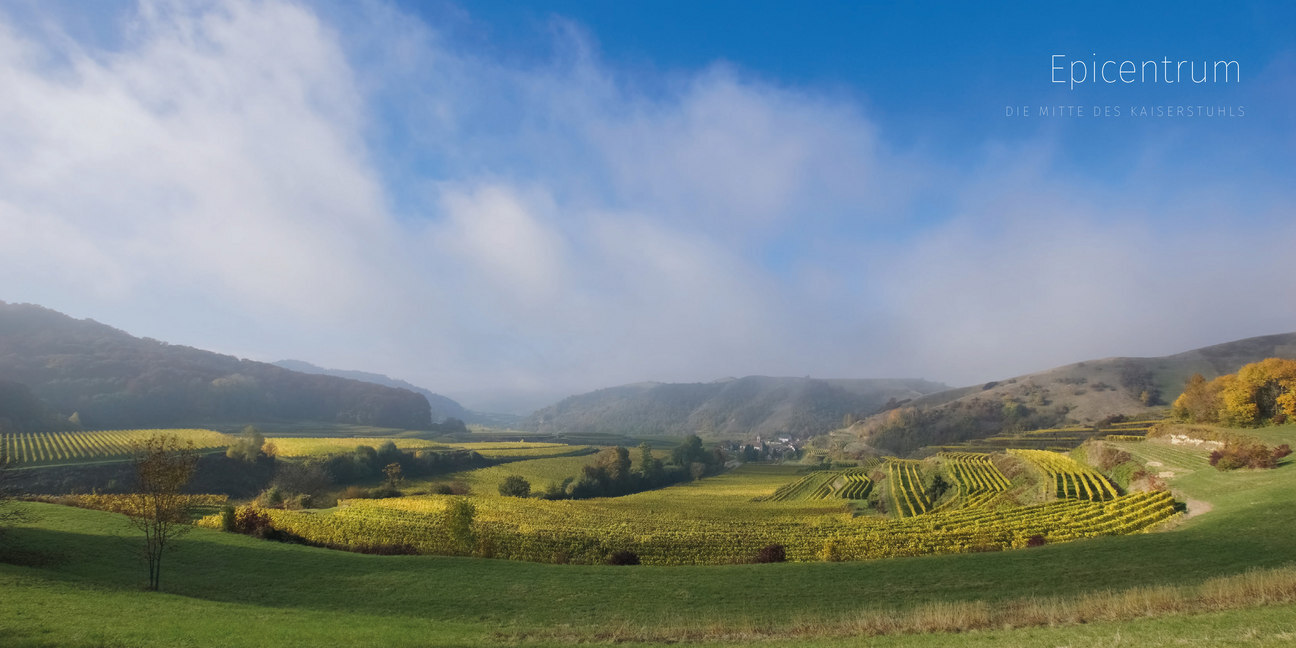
x: 830, y: 552
x: 515, y: 486
x: 623, y: 557
x: 227, y: 519
x: 251, y: 521
x: 452, y: 488
x: 1282, y: 451
x: 1241, y: 454
x: 771, y: 553
x: 383, y: 491
x: 1035, y: 541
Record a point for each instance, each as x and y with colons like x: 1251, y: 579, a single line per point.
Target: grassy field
x: 78, y: 584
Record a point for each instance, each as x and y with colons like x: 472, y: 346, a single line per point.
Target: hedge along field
x: 54, y: 448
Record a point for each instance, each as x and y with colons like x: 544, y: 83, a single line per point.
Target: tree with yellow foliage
x: 1259, y: 393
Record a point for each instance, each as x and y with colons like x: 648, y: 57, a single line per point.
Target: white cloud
x: 372, y: 193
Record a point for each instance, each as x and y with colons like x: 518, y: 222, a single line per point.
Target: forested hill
x: 1083, y: 393
x: 733, y: 408
x: 443, y: 407
x: 111, y: 379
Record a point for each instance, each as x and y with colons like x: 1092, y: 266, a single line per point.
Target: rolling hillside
x: 741, y: 407
x: 443, y: 407
x: 111, y: 379
x: 1084, y: 393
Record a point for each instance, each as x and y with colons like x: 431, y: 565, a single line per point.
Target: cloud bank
x: 359, y: 188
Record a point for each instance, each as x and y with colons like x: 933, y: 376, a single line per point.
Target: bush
x: 1035, y: 541
x: 623, y: 557
x: 772, y: 553
x: 830, y: 552
x: 452, y: 488
x: 384, y: 491
x: 250, y: 521
x: 1241, y: 454
x: 227, y: 519
x: 515, y: 486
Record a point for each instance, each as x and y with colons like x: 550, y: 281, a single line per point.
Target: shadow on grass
x: 91, y: 548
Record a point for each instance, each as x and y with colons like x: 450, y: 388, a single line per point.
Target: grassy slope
x: 216, y: 583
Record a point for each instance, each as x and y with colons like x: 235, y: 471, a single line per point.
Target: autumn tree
x: 1259, y: 393
x: 163, y: 465
x: 1198, y: 402
x: 249, y: 445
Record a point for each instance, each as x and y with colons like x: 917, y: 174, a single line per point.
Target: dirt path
x: 1196, y: 507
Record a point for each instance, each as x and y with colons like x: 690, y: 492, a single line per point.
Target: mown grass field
x: 80, y: 586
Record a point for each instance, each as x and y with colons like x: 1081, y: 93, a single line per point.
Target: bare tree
x: 163, y: 465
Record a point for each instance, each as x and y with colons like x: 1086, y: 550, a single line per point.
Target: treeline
x: 611, y: 473
x: 22, y: 411
x: 109, y: 379
x: 302, y: 484
x: 1260, y: 393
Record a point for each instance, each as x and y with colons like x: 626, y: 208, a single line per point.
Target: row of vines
x: 68, y: 447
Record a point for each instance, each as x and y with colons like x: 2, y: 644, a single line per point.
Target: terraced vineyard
x: 978, y: 479
x: 904, y: 477
x: 851, y: 484
x: 1058, y: 439
x: 51, y: 448
x: 1070, y: 479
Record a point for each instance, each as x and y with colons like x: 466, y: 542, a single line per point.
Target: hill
x: 443, y: 407
x: 1084, y: 393
x: 111, y: 379
x: 741, y: 407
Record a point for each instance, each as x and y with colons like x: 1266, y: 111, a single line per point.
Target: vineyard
x: 1069, y: 478
x: 978, y: 479
x: 907, y: 491
x: 1059, y: 439
x: 50, y: 448
x: 850, y: 484
x: 721, y: 520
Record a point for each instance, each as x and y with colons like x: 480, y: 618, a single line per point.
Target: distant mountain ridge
x: 112, y: 379
x: 1082, y: 393
x: 734, y: 407
x: 443, y: 407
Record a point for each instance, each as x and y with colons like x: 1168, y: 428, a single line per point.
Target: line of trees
x: 611, y: 473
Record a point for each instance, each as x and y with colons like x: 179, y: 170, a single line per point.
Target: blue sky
x: 511, y: 202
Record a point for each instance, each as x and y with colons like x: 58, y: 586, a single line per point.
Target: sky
x: 509, y: 202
